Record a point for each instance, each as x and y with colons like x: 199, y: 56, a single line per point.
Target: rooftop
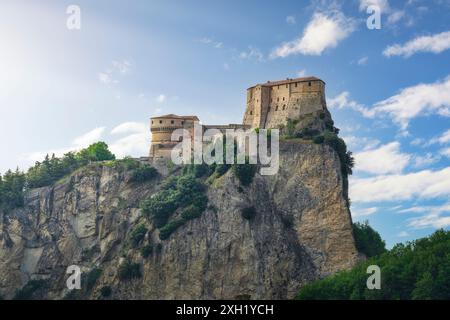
x: 287, y: 81
x: 174, y: 116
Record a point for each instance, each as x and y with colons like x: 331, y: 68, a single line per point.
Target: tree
x: 367, y: 240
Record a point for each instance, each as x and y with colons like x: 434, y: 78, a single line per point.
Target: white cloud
x: 409, y: 103
x: 226, y: 66
x: 122, y: 67
x: 393, y: 15
x: 445, y: 152
x: 443, y: 139
x: 383, y: 160
x: 360, y: 143
x: 382, y: 4
x: 301, y: 73
x: 105, y: 78
x: 213, y: 43
x: 426, y: 184
x: 342, y: 101
x: 78, y: 143
x: 425, y: 160
x: 291, y: 20
x: 322, y: 32
x: 88, y: 138
x: 363, y: 212
x: 161, y: 98
x: 403, y: 234
x: 414, y: 101
x: 252, y: 54
x: 129, y: 127
x: 435, y: 44
x: 434, y: 218
x: 136, y: 141
x: 363, y: 61
x: 396, y: 16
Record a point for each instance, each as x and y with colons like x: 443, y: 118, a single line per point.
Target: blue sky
x: 388, y: 89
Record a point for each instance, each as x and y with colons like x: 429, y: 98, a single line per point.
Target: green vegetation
x: 14, y: 184
x: 129, y: 270
x: 137, y: 235
x: 146, y: 250
x: 416, y: 270
x: 248, y: 213
x: 30, y: 289
x: 185, y: 193
x: 245, y: 173
x: 92, y: 277
x: 367, y: 240
x: 144, y: 173
x: 12, y: 187
x: 106, y: 291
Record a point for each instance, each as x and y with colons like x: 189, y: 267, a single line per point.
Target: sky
x: 388, y: 89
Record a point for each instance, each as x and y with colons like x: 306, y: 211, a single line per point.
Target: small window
x: 182, y: 122
x: 296, y: 84
x: 309, y: 84
x: 276, y: 108
x: 257, y: 100
x: 286, y: 86
x: 152, y: 121
x: 172, y: 122
x: 278, y: 87
x: 251, y: 113
x: 283, y: 98
x: 278, y: 99
x: 160, y: 121
x: 284, y: 107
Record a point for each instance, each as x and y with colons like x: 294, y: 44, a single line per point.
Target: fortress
x: 269, y: 105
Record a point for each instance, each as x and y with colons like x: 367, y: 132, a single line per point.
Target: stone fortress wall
x: 269, y: 105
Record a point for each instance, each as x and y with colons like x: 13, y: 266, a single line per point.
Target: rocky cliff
x: 301, y: 231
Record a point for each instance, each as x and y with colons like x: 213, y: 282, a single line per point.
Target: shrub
x: 367, y: 240
x: 185, y: 192
x: 221, y: 169
x: 248, y: 213
x: 191, y: 212
x: 92, y: 277
x: 28, y: 291
x: 168, y: 229
x: 144, y: 173
x: 137, y: 235
x: 318, y: 139
x: 106, y: 291
x: 129, y: 270
x: 245, y: 173
x: 160, y: 206
x: 146, y: 250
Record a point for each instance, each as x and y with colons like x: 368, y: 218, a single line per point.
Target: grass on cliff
x: 416, y: 270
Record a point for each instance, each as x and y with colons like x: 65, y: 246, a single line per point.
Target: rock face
x: 301, y: 231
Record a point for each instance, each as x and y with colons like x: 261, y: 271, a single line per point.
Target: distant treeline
x: 417, y: 270
x: 14, y: 184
